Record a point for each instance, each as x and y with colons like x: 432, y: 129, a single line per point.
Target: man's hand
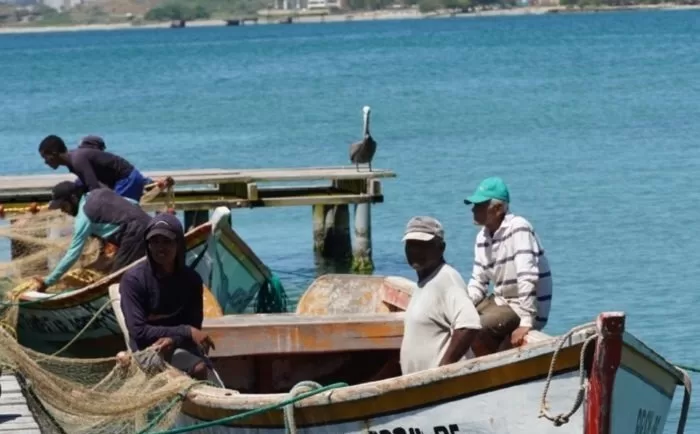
x: 164, y: 345
x: 40, y: 284
x: 517, y: 338
x: 203, y: 340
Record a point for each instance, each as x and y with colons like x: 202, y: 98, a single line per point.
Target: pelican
x: 363, y: 151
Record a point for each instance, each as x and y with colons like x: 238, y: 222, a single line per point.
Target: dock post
x: 362, y: 247
x: 195, y: 218
x: 318, y: 214
x: 331, y: 226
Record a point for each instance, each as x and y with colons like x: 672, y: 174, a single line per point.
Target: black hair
x: 52, y: 145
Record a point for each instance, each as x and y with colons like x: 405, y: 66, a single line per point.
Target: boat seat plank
x: 285, y: 319
x: 245, y: 335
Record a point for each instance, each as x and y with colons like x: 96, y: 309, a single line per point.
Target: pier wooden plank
x: 15, y: 415
x: 200, y: 189
x: 27, y: 184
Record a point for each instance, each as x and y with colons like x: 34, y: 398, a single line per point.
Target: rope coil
x: 563, y: 418
x: 290, y: 424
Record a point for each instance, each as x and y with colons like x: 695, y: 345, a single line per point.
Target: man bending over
x: 94, y: 168
x: 103, y: 214
x: 161, y: 299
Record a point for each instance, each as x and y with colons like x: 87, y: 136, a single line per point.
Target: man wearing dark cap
x: 94, y: 168
x: 93, y: 142
x: 162, y: 303
x: 101, y: 213
x: 441, y: 322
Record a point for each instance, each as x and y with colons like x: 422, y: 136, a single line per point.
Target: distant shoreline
x: 347, y: 17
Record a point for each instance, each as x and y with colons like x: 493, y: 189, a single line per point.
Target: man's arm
x: 83, y: 168
x: 478, y: 285
x: 526, y: 252
x: 464, y: 322
x: 133, y: 304
x: 82, y: 228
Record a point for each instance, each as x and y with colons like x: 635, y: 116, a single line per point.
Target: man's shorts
x: 186, y: 361
x: 181, y: 359
x: 132, y: 186
x: 498, y: 321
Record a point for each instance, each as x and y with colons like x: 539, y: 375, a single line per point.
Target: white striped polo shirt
x: 514, y: 261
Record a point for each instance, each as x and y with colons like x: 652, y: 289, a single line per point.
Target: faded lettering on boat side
x: 647, y: 422
x: 638, y: 407
x: 494, y: 412
x: 439, y: 429
x: 398, y: 430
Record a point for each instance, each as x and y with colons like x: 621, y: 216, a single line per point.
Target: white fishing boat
x: 596, y: 379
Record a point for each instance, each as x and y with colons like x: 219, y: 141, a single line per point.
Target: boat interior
x: 330, y: 338
x: 346, y: 328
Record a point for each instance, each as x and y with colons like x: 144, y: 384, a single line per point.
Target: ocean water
x: 592, y: 119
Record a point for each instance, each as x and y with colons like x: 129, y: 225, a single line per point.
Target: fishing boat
x: 595, y: 379
x: 81, y: 323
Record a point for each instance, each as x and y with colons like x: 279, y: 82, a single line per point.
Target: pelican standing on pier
x: 363, y: 151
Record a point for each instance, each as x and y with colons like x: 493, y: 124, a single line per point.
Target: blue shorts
x: 131, y: 186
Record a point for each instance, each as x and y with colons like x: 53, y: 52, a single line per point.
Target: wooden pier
x: 201, y: 190
x: 15, y: 414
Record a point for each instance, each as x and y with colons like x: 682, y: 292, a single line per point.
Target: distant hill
x: 119, y: 7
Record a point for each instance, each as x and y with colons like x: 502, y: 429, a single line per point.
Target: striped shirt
x: 513, y: 260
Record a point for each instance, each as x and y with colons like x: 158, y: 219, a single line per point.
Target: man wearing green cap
x: 507, y: 254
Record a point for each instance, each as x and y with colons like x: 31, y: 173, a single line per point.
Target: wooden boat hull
x: 630, y: 389
x: 49, y: 322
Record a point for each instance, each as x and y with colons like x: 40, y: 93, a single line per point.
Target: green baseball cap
x: 489, y: 188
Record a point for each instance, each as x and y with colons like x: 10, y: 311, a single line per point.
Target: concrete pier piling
x: 331, y: 225
x: 362, y: 246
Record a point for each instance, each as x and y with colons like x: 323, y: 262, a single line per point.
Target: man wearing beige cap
x: 441, y: 321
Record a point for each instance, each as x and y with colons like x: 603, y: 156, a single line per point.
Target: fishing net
x: 109, y: 395
x: 80, y: 396
x: 38, y: 239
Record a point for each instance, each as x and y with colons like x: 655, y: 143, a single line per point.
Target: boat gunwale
x: 292, y: 319
x: 99, y: 288
x: 634, y: 344
x: 229, y: 399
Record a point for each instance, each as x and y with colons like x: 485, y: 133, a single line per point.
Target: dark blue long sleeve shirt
x: 157, y: 306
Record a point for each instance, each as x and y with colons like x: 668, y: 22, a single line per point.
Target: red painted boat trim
x: 606, y: 360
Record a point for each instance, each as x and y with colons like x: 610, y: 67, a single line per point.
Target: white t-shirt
x: 439, y: 305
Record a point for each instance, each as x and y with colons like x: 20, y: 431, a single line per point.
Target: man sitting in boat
x: 440, y: 321
x: 94, y: 168
x: 101, y: 213
x: 509, y: 255
x: 161, y: 299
